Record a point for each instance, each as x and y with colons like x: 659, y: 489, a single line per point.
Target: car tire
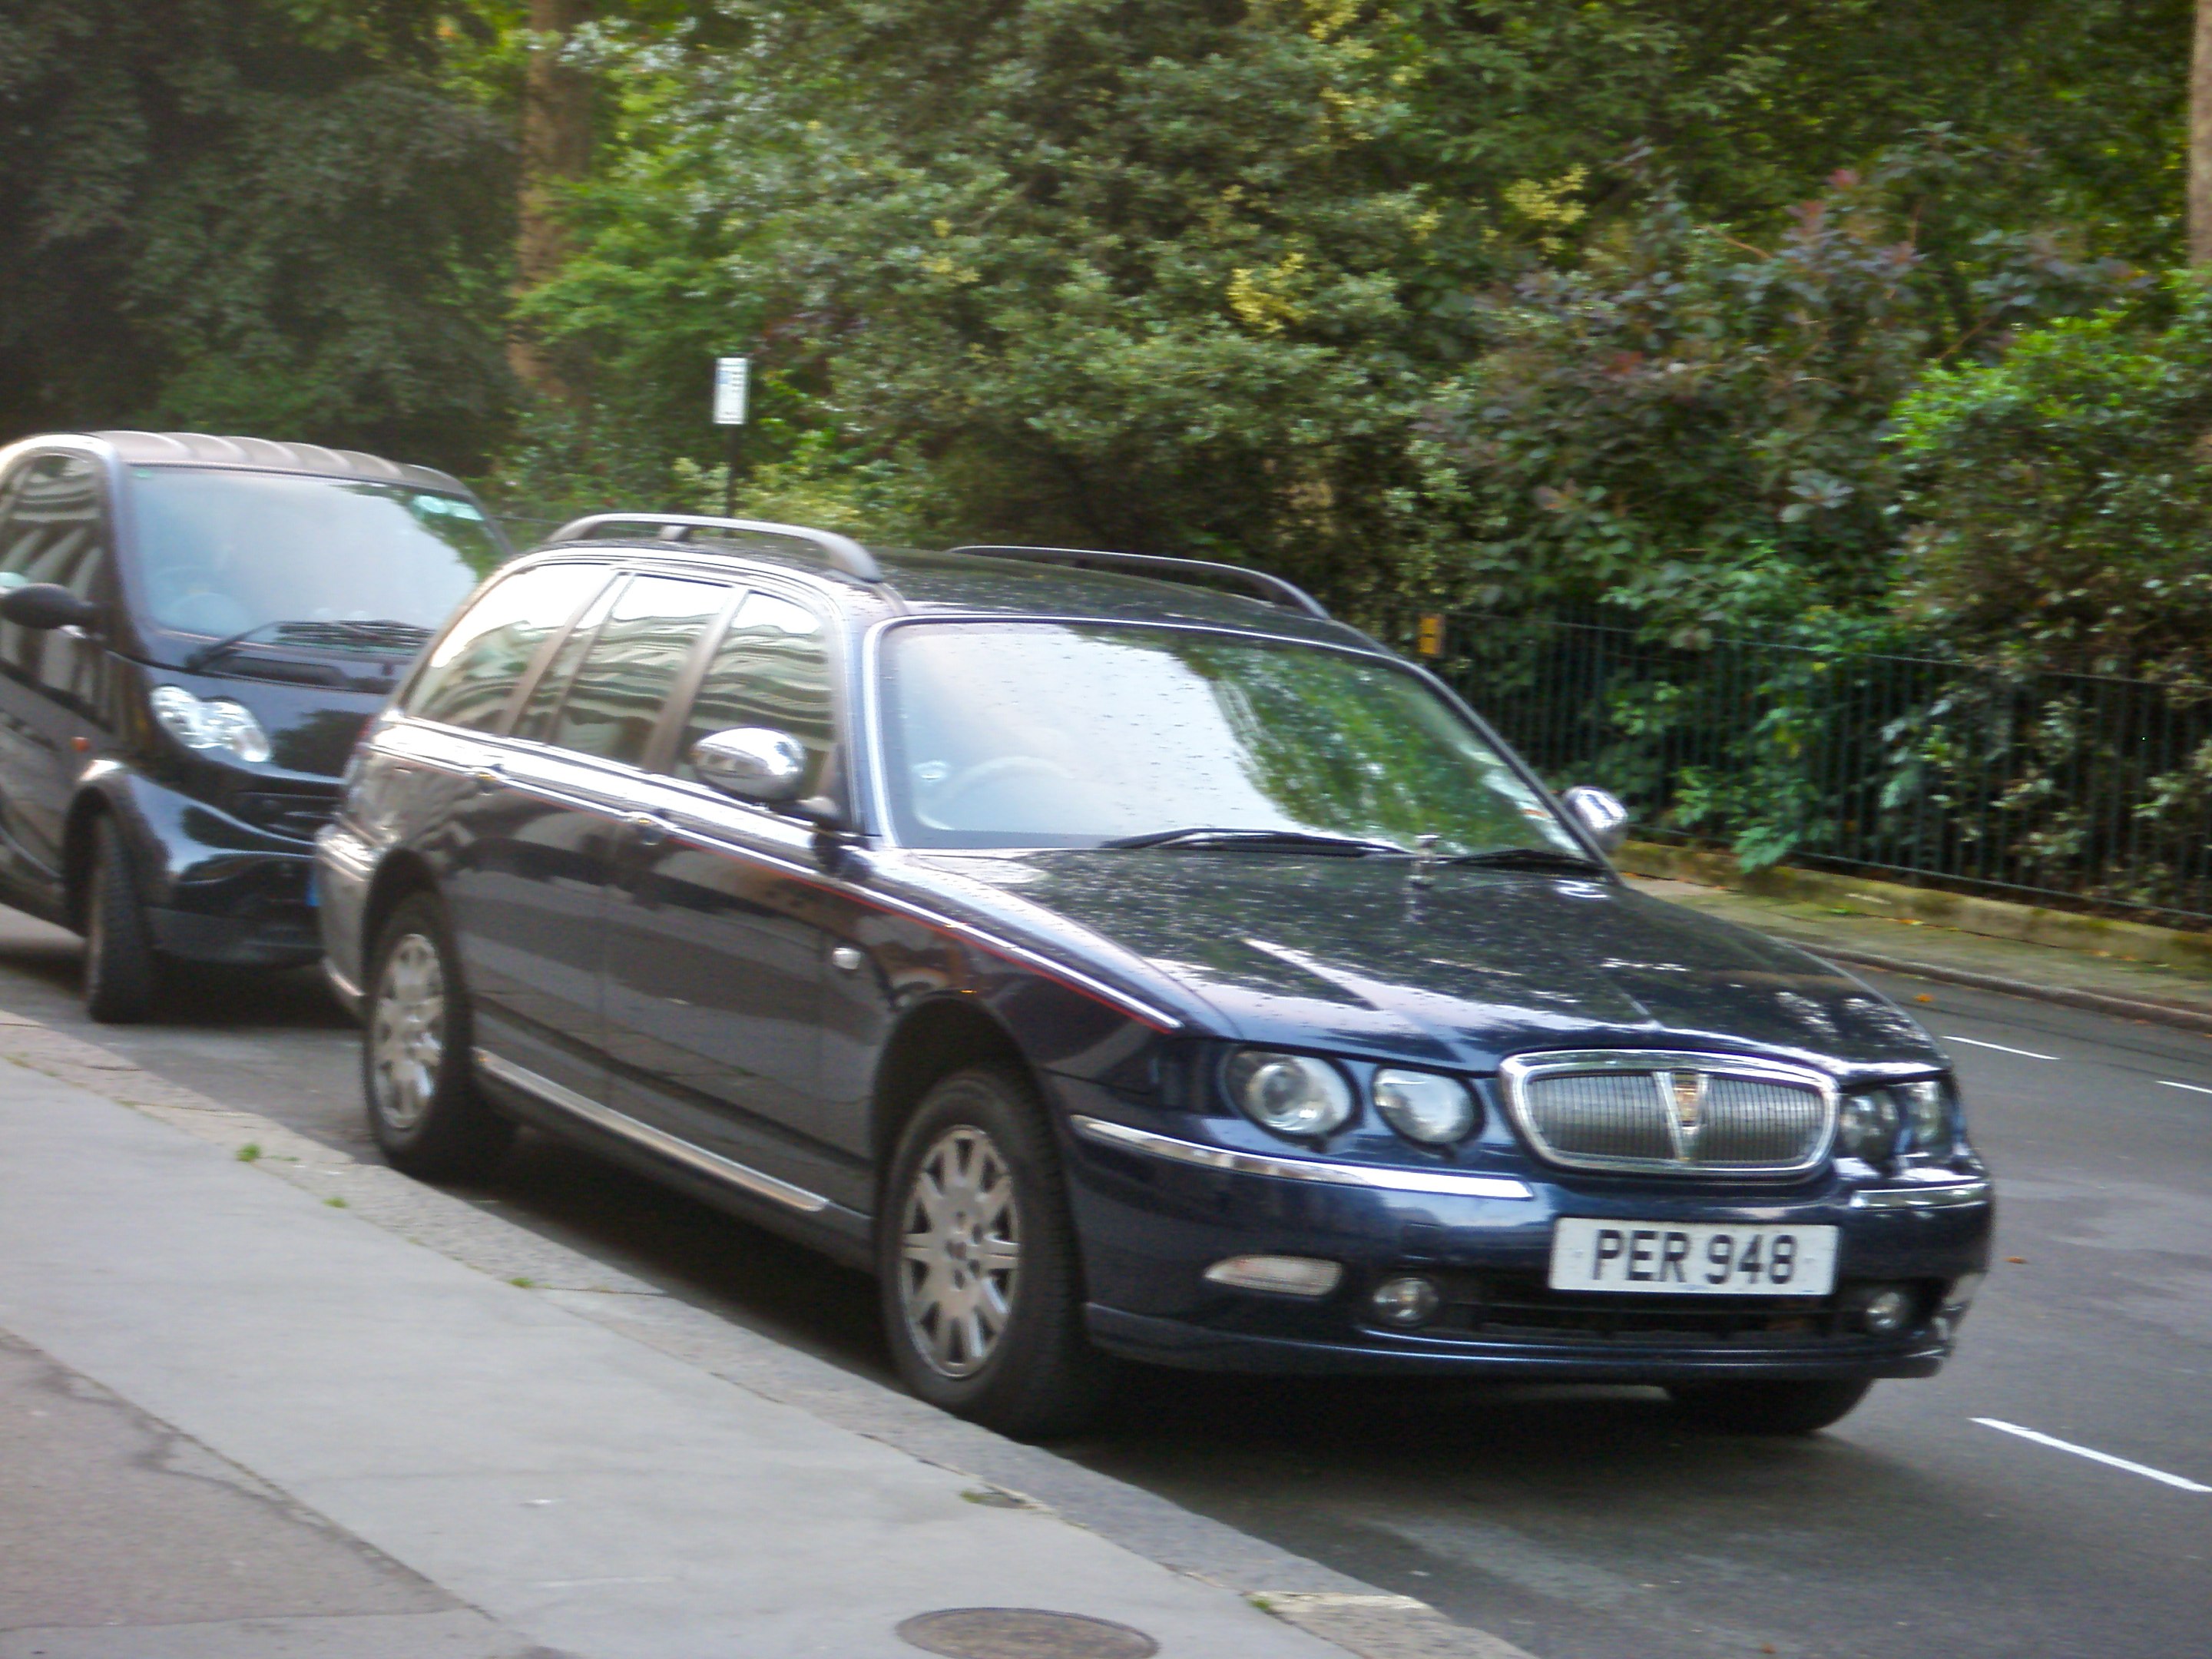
x: 1761, y: 1407
x: 982, y: 1287
x: 424, y: 1108
x: 122, y: 970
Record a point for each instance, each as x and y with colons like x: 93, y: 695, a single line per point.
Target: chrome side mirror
x: 752, y: 763
x: 46, y: 604
x: 1599, y: 813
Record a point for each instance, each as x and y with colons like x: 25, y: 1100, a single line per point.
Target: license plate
x: 1651, y: 1258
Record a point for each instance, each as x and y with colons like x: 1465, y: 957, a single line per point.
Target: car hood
x: 1319, y: 952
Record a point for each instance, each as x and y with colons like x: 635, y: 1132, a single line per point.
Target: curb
x: 1355, y: 1616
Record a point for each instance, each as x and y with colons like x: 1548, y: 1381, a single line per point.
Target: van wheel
x: 122, y: 970
x: 1768, y: 1407
x: 982, y: 1291
x: 424, y: 1108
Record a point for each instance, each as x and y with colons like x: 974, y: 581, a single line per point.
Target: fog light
x: 1404, y: 1302
x: 1885, y: 1313
x: 1285, y: 1275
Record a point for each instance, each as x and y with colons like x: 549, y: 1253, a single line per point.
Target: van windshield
x: 1052, y: 735
x: 303, y: 560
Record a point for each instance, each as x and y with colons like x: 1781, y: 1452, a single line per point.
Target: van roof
x: 268, y: 455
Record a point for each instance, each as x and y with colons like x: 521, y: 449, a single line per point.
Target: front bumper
x: 216, y: 889
x: 1152, y: 1220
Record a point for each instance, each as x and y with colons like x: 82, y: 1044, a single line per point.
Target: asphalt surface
x: 1581, y: 1524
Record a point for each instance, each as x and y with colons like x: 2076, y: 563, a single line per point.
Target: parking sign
x: 730, y: 377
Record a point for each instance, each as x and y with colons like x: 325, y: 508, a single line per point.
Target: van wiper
x: 311, y: 631
x: 1529, y: 858
x: 1260, y: 841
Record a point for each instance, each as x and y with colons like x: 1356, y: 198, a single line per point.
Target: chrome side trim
x: 695, y: 1158
x: 1298, y: 1168
x: 1956, y: 1194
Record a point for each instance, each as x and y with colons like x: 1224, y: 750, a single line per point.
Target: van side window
x: 472, y: 674
x: 543, y: 706
x: 772, y: 669
x: 633, y: 666
x: 55, y: 531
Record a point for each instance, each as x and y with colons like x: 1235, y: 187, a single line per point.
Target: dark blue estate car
x: 1121, y: 967
x: 194, y: 631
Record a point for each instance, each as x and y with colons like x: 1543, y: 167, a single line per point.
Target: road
x: 1583, y: 1524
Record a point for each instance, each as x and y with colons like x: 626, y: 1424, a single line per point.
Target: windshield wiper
x: 1264, y: 840
x: 1529, y: 858
x: 310, y: 631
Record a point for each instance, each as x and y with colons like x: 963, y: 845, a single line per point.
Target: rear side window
x: 633, y: 666
x: 772, y: 669
x: 55, y: 531
x: 472, y: 672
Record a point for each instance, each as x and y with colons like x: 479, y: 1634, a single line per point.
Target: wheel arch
x: 398, y: 874
x: 935, y: 1038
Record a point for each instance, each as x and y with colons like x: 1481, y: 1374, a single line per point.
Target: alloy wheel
x: 960, y: 1252
x: 407, y: 1033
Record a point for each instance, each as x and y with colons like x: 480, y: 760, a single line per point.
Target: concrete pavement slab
x: 595, y: 1493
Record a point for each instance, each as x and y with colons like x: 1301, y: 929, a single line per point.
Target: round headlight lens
x: 1928, y: 1113
x: 1423, y: 1106
x: 1866, y: 1127
x: 218, y: 723
x: 1290, y: 1094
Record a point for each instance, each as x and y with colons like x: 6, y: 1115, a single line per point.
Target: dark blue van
x: 194, y: 631
x: 1125, y: 961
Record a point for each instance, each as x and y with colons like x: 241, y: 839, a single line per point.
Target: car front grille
x: 1632, y: 1110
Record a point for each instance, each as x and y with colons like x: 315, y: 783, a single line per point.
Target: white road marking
x: 1977, y: 1043
x: 2096, y: 1456
x: 2193, y: 1088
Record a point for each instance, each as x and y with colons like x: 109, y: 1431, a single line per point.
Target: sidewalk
x: 243, y: 1418
x: 2112, y: 985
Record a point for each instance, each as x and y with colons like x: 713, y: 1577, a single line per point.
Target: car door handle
x: 650, y: 827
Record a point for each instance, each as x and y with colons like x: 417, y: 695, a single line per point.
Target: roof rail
x: 1273, y: 589
x: 843, y: 552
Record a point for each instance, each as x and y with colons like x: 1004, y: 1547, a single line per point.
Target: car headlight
x: 1290, y: 1094
x: 1928, y: 1114
x: 1865, y: 1125
x: 213, y: 723
x: 1423, y: 1106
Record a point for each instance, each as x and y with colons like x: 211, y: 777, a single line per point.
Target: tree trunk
x: 556, y: 147
x: 2200, y: 140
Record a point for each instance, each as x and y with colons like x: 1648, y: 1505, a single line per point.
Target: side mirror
x: 45, y: 605
x: 1601, y: 814
x: 752, y: 764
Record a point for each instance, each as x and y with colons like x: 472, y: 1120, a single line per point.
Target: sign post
x: 732, y: 376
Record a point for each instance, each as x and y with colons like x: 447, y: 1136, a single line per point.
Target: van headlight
x: 210, y: 723
x: 1295, y: 1095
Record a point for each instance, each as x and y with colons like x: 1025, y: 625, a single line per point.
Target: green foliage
x: 1690, y: 424
x: 2062, y: 492
x: 247, y: 215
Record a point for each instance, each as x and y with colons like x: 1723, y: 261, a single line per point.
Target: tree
x: 246, y: 215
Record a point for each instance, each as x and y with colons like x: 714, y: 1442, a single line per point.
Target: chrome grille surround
x: 1649, y: 1111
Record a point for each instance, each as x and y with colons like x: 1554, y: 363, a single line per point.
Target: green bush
x: 2063, y: 493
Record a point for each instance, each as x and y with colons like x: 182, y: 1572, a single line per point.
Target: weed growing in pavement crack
x: 336, y: 1203
x: 249, y: 1152
x: 523, y: 1282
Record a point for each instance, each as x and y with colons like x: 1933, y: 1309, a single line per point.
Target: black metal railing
x: 2042, y: 786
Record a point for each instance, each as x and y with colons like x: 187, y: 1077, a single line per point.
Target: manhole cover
x: 1023, y: 1633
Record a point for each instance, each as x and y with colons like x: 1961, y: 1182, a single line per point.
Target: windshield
x: 1040, y: 734
x: 222, y: 553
